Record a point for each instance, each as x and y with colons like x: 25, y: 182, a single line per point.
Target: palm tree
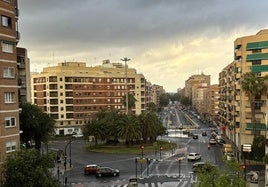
x: 129, y: 128
x: 131, y: 101
x: 151, y: 126
x: 254, y: 87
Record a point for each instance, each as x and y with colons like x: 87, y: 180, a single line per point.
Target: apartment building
x: 199, y: 92
x: 71, y: 92
x: 212, y: 103
x: 24, y: 78
x: 193, y: 81
x: 250, y: 55
x: 156, y: 91
x: 9, y: 107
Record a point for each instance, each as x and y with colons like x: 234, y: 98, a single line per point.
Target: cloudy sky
x: 166, y: 40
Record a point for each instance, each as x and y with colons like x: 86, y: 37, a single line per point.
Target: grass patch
x: 121, y: 148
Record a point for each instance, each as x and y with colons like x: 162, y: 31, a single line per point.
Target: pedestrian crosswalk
x: 182, y: 183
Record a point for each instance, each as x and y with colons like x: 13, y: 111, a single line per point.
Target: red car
x: 91, y: 169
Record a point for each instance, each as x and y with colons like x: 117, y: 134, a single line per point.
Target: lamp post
x: 125, y: 60
x: 180, y: 159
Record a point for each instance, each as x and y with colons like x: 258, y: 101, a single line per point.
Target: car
x: 204, y: 133
x: 195, y: 136
x: 193, y: 156
x: 106, y: 172
x: 197, y: 166
x: 91, y: 169
x: 212, y: 141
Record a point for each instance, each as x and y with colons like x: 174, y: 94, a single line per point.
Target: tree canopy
x: 35, y: 124
x: 26, y: 168
x: 111, y: 125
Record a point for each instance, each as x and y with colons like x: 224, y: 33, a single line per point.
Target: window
x: 9, y: 72
x: 11, y: 146
x: 7, y: 47
x: 9, y: 97
x: 10, y: 121
x: 6, y: 21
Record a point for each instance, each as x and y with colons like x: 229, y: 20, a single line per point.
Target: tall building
x: 156, y: 91
x: 9, y: 107
x: 71, y: 92
x: 212, y: 103
x: 250, y: 55
x: 195, y: 81
x: 24, y: 79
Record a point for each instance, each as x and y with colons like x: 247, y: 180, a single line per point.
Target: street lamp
x: 125, y: 60
x: 180, y: 159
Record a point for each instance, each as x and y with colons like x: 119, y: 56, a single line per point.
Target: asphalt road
x: 163, y: 170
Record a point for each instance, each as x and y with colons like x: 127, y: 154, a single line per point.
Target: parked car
x: 212, y: 141
x: 197, y: 166
x: 204, y: 133
x: 195, y: 136
x: 193, y: 156
x: 106, y: 171
x: 91, y: 169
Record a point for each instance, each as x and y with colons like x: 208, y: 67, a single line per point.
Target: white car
x: 193, y: 156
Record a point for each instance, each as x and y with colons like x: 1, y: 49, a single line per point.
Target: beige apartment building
x: 156, y: 91
x: 250, y: 55
x: 212, y: 104
x: 9, y: 106
x: 71, y: 92
x: 195, y: 81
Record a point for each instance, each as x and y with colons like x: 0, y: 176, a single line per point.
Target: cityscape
x: 178, y: 126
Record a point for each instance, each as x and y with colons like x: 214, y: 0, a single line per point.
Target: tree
x: 35, y: 124
x: 131, y: 101
x: 152, y: 107
x: 207, y: 175
x: 231, y: 176
x: 254, y: 87
x: 164, y: 100
x: 129, y: 128
x: 151, y: 126
x: 26, y: 168
x: 258, y: 148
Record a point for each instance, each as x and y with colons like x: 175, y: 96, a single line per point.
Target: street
x: 166, y: 168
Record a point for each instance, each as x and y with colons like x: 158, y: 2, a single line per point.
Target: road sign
x: 246, y: 147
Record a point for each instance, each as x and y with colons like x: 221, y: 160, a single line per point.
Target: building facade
x: 156, y: 91
x: 250, y: 55
x: 195, y: 81
x: 72, y: 92
x: 24, y: 78
x: 9, y: 107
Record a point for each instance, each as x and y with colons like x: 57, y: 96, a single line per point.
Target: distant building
x: 9, y: 106
x: 212, y: 103
x: 156, y: 91
x: 195, y: 81
x: 71, y: 92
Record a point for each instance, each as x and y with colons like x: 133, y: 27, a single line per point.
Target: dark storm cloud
x: 132, y: 27
x: 132, y: 22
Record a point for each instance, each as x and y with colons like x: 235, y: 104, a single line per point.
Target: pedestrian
x: 208, y: 146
